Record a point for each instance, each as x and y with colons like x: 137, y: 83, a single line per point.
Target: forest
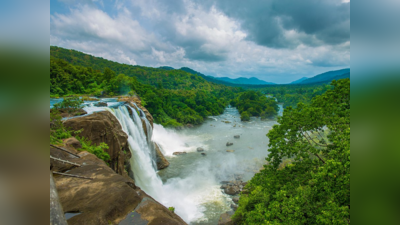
x: 307, y: 176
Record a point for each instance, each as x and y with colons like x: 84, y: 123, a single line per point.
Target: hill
x: 328, y: 77
x: 165, y: 77
x: 299, y: 80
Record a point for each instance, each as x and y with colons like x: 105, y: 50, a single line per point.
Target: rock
x: 234, y: 207
x: 178, y: 153
x: 229, y: 143
x: 232, y: 190
x: 230, y: 150
x: 203, y: 154
x: 108, y: 197
x: 104, y: 127
x: 199, y: 149
x: 225, y: 219
x: 101, y: 104
x: 73, y: 142
x: 162, y: 162
x: 235, y: 200
x: 236, y: 136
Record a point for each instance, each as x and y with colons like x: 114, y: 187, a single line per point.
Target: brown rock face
x: 103, y: 127
x: 162, y: 162
x: 108, y: 197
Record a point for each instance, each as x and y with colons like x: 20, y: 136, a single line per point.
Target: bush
x: 70, y: 104
x: 95, y: 150
x: 245, y: 116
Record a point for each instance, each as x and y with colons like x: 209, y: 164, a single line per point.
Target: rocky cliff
x: 98, y: 193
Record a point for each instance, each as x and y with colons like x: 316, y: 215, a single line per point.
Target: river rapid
x: 194, y: 178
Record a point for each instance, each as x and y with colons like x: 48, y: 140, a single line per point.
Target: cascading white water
x: 188, y: 194
x: 142, y: 160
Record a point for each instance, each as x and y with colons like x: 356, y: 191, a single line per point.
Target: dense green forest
x: 255, y: 103
x: 291, y: 95
x: 168, y: 107
x: 307, y: 176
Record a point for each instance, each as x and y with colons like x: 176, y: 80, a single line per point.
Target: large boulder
x: 102, y: 196
x: 104, y: 127
x: 162, y: 162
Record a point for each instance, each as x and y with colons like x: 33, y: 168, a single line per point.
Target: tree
x: 307, y: 177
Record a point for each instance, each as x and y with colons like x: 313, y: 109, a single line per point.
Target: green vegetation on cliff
x: 314, y: 187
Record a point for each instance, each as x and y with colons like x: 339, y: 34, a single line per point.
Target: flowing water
x: 191, y: 184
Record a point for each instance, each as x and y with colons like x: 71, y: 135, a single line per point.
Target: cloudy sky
x: 274, y: 40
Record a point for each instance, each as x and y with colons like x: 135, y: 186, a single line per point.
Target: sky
x: 274, y: 40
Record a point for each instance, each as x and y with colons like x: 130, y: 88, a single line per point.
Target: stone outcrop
x: 107, y: 197
x: 162, y: 162
x: 104, y: 127
x: 233, y: 187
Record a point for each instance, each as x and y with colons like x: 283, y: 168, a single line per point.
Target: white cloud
x: 153, y: 33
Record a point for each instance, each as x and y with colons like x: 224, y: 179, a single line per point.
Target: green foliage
x: 255, y: 103
x: 314, y: 188
x: 96, y: 150
x: 57, y: 129
x: 69, y: 104
x: 172, y: 209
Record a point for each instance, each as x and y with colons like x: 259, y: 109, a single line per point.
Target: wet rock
x: 229, y: 143
x: 225, y: 219
x: 203, y: 154
x: 103, y: 127
x: 101, y: 104
x: 178, y: 153
x: 232, y: 190
x: 236, y: 136
x: 200, y: 149
x: 234, y: 207
x: 235, y: 199
x: 230, y: 150
x: 162, y: 162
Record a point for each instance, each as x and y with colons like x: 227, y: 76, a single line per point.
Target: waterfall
x: 142, y: 160
x: 185, y: 194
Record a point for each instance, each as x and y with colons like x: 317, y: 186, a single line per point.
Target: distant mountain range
x: 326, y: 77
x: 222, y: 80
x: 244, y: 80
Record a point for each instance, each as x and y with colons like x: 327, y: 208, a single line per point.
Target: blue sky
x: 274, y: 40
